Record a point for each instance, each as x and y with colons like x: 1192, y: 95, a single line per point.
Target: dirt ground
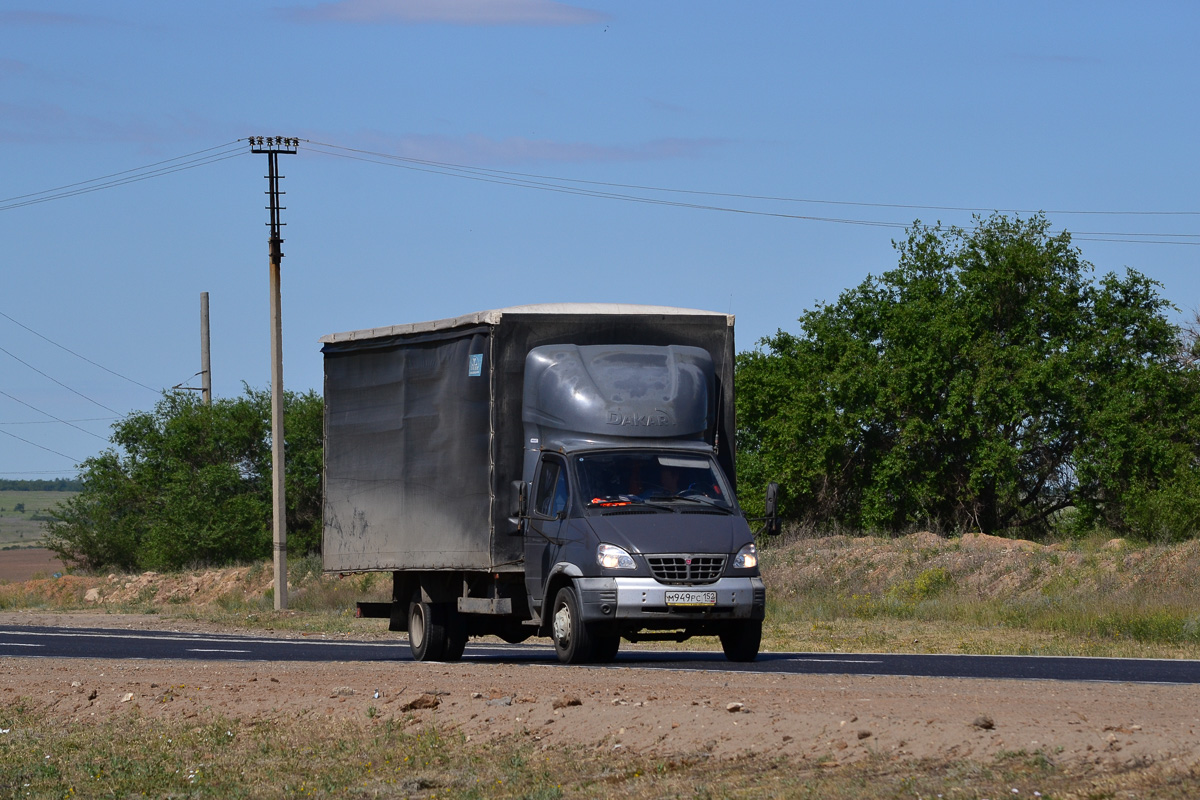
x: 827, y: 719
x: 23, y: 564
x: 1085, y: 728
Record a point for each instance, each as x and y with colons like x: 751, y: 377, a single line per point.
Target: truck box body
x: 424, y: 430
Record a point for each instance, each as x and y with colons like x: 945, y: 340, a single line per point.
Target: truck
x: 556, y: 470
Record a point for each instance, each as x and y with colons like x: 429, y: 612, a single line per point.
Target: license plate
x: 686, y: 598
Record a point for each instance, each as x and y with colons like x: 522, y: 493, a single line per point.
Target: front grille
x: 686, y: 569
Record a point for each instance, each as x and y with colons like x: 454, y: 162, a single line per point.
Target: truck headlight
x: 610, y: 556
x: 747, y: 558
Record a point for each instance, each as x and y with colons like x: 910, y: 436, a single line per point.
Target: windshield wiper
x: 626, y: 500
x: 696, y: 498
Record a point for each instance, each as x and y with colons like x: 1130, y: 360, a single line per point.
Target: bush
x: 1170, y: 513
x: 987, y: 383
x: 191, y: 484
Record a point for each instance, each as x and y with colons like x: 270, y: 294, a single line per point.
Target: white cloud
x: 451, y: 12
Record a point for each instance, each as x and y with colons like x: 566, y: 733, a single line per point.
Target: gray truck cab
x: 631, y: 529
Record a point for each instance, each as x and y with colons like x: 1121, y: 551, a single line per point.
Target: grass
x: 838, y: 594
x: 1088, y: 597
x: 310, y: 756
x: 19, y: 528
x: 915, y: 594
x: 317, y: 603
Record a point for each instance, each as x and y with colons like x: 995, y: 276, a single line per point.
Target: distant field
x: 28, y: 563
x: 19, y: 528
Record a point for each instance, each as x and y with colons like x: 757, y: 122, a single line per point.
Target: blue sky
x: 1065, y: 107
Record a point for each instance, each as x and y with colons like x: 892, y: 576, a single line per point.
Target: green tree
x: 985, y: 383
x: 189, y: 483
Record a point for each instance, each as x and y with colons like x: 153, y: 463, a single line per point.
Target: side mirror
x: 772, y: 509
x: 519, y: 498
x: 521, y: 490
x: 516, y: 502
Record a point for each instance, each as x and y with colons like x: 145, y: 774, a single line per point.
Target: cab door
x: 546, y: 525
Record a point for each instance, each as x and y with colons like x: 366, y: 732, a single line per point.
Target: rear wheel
x: 572, y: 639
x: 740, y: 640
x: 432, y: 631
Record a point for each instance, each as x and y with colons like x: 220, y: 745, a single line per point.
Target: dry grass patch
x: 920, y: 593
x: 984, y: 594
x: 132, y: 755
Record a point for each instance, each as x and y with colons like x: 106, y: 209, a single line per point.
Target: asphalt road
x: 31, y: 642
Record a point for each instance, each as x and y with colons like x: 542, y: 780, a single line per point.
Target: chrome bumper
x: 633, y: 599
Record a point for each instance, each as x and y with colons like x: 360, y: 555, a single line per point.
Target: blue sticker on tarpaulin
x: 476, y: 367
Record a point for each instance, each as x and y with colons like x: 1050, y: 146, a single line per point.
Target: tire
x: 741, y: 639
x: 572, y: 638
x: 427, y: 630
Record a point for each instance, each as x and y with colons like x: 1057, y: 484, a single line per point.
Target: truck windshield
x: 622, y: 478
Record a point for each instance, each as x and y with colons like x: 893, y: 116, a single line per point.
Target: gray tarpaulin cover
x: 423, y: 429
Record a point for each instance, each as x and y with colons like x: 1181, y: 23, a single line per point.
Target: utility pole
x: 273, y: 146
x: 205, y: 360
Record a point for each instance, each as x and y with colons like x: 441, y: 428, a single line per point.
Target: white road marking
x: 201, y: 650
x: 536, y: 649
x: 202, y: 638
x: 835, y: 660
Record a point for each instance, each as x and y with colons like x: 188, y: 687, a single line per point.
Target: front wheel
x: 740, y: 640
x: 572, y: 639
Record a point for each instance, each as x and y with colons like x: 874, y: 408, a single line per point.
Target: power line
x: 77, y: 355
x: 35, y: 444
x: 495, y: 176
x: 134, y: 175
x: 772, y: 198
x: 60, y: 383
x: 617, y: 196
x: 555, y: 184
x: 576, y: 186
x: 122, y: 172
x: 113, y: 184
x: 51, y: 416
x: 180, y: 385
x: 47, y: 422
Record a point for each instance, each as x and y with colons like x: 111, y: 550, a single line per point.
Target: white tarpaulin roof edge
x: 493, y: 318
